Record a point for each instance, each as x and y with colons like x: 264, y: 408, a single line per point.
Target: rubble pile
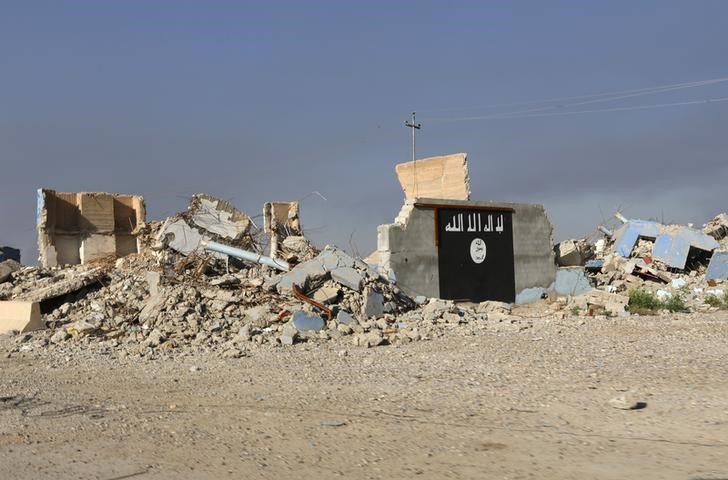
x: 670, y: 262
x: 174, y: 297
x: 201, y: 281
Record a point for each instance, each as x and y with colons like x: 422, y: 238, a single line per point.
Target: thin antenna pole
x: 414, y: 126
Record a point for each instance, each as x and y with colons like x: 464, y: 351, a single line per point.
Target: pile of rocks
x: 136, y: 307
x: 667, y: 261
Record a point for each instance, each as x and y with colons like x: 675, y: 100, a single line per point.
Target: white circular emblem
x: 477, y: 250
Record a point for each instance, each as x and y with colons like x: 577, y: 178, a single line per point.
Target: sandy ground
x: 505, y: 405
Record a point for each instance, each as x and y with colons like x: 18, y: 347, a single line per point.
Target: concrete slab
x: 571, y: 281
x: 373, y: 304
x: 348, y: 277
x: 20, y: 316
x: 345, y: 318
x: 718, y: 266
x: 673, y: 247
x: 307, y: 322
x: 219, y: 217
x: 443, y: 177
x: 182, y: 238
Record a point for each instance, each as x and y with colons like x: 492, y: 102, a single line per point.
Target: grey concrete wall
x: 407, y: 248
x: 533, y: 246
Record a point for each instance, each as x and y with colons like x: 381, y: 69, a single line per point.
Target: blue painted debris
x: 673, y: 248
x: 9, y: 253
x: 594, y: 264
x: 571, y: 281
x: 628, y: 234
x: 530, y: 295
x: 305, y: 322
x: 718, y: 267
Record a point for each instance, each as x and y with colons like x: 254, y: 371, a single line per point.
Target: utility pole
x: 414, y: 126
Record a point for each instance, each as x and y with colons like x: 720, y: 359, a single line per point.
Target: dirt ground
x: 505, y: 405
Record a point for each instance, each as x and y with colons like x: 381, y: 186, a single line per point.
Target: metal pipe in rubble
x: 246, y: 255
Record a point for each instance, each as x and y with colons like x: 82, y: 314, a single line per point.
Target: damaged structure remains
x: 208, y: 278
x: 79, y: 227
x: 444, y: 245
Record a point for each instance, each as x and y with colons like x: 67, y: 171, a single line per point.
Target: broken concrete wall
x: 444, y: 177
x: 207, y: 219
x: 281, y: 220
x: 79, y: 227
x: 407, y: 249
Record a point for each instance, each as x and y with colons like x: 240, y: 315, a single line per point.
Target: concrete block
x: 20, y: 316
x: 218, y: 217
x: 307, y: 322
x: 152, y: 279
x: 348, y: 277
x: 718, y: 266
x: 444, y: 177
x: 7, y: 268
x: 373, y: 304
x: 97, y: 247
x: 289, y: 335
x: 345, y: 318
x: 326, y: 294
x: 571, y: 281
x: 718, y: 227
x: 182, y: 238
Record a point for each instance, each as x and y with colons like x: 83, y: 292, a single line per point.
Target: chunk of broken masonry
x: 717, y: 227
x: 80, y: 227
x: 444, y: 177
x: 573, y: 253
x: 327, y: 264
x: 207, y: 219
x: 64, y: 287
x: 20, y: 316
x: 305, y: 322
x: 7, y: 268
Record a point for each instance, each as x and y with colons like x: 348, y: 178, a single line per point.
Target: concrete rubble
x: 172, y: 297
x: 172, y: 294
x: 668, y: 261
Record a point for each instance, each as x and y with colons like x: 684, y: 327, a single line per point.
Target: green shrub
x: 714, y: 301
x: 642, y: 300
x: 676, y: 303
x: 718, y: 302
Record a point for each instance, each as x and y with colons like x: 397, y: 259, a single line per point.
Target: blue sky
x: 260, y: 101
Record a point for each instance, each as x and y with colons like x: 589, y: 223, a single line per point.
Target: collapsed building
x: 444, y: 245
x: 80, y: 227
x: 208, y: 278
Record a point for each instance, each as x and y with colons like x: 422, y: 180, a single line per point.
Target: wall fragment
x: 80, y: 227
x: 443, y: 177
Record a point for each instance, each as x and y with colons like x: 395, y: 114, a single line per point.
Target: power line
x: 631, y: 92
x: 600, y: 110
